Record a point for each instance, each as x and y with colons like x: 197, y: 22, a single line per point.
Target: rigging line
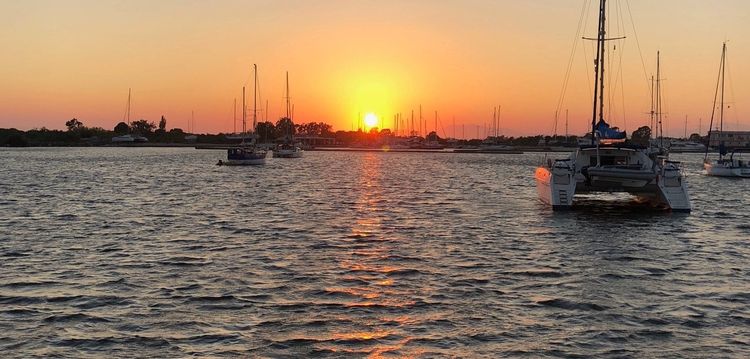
x: 638, y: 44
x: 622, y: 97
x: 617, y: 81
x: 713, y: 106
x: 731, y: 95
x: 584, y: 13
x: 618, y: 78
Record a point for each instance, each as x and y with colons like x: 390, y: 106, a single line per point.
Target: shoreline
x: 219, y: 146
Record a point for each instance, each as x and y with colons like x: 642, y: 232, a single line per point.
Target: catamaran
x: 288, y: 149
x: 726, y: 166
x: 611, y: 163
x: 247, y: 153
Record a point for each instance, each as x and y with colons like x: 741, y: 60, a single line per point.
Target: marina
x: 375, y: 179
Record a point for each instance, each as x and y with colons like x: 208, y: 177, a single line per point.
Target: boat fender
x: 585, y: 173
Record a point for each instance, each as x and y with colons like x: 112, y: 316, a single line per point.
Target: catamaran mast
x: 598, y: 70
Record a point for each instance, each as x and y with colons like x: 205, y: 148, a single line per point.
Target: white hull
x: 661, y: 183
x: 726, y: 170
x: 253, y: 162
x: 296, y: 153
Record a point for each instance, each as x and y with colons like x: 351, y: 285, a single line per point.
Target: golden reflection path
x: 376, y: 336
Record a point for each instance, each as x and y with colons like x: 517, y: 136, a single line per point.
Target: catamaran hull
x: 668, y: 190
x: 555, y: 187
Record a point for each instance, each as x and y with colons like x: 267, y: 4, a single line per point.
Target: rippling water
x: 160, y: 253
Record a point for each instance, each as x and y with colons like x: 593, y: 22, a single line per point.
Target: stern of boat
x: 556, y: 184
x: 672, y: 188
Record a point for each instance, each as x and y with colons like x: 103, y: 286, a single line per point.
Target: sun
x: 371, y: 120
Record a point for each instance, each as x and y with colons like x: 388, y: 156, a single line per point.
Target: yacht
x: 725, y: 166
x: 247, y: 153
x: 288, y: 149
x: 611, y: 163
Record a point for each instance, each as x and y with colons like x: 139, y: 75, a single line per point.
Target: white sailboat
x: 247, y: 154
x: 288, y: 149
x: 725, y: 166
x: 609, y: 163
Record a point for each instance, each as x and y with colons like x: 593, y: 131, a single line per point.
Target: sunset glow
x: 462, y: 59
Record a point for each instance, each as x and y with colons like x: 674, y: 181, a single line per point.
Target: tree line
x: 284, y: 129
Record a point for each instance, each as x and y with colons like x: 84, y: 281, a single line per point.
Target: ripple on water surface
x: 159, y: 253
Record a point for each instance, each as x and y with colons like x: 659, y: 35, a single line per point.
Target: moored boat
x: 609, y: 162
x: 247, y: 154
x: 725, y: 166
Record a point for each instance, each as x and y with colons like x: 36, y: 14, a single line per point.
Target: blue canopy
x: 605, y: 132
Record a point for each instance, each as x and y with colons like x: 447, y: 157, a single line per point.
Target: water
x: 160, y: 253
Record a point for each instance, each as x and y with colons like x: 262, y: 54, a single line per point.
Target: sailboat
x: 247, y: 153
x: 732, y: 165
x: 610, y: 163
x: 288, y: 149
x: 130, y: 137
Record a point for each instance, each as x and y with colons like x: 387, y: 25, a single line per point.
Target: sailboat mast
x: 599, y: 71
x: 244, y: 115
x: 723, y: 70
x: 255, y: 98
x: 658, y: 101
x: 436, y: 119
x: 498, y: 121
x: 685, y: 134
x: 653, y: 127
x: 287, y: 96
x: 494, y: 121
x: 420, y: 120
x: 234, y: 129
x: 412, y: 123
x: 127, y: 112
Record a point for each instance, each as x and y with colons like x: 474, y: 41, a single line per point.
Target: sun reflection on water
x: 369, y: 265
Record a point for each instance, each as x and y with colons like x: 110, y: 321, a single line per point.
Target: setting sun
x: 371, y: 120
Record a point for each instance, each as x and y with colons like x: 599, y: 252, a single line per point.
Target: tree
x: 325, y: 129
x: 163, y: 124
x: 641, y: 136
x: 74, y: 125
x: 266, y: 131
x: 142, y: 127
x: 285, y: 127
x: 122, y: 128
x: 695, y: 137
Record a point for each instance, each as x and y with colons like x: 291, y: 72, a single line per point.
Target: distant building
x: 731, y: 139
x: 315, y: 141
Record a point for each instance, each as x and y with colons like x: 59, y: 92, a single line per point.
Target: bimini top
x: 603, y: 131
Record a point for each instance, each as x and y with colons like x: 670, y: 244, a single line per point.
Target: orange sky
x: 65, y: 59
